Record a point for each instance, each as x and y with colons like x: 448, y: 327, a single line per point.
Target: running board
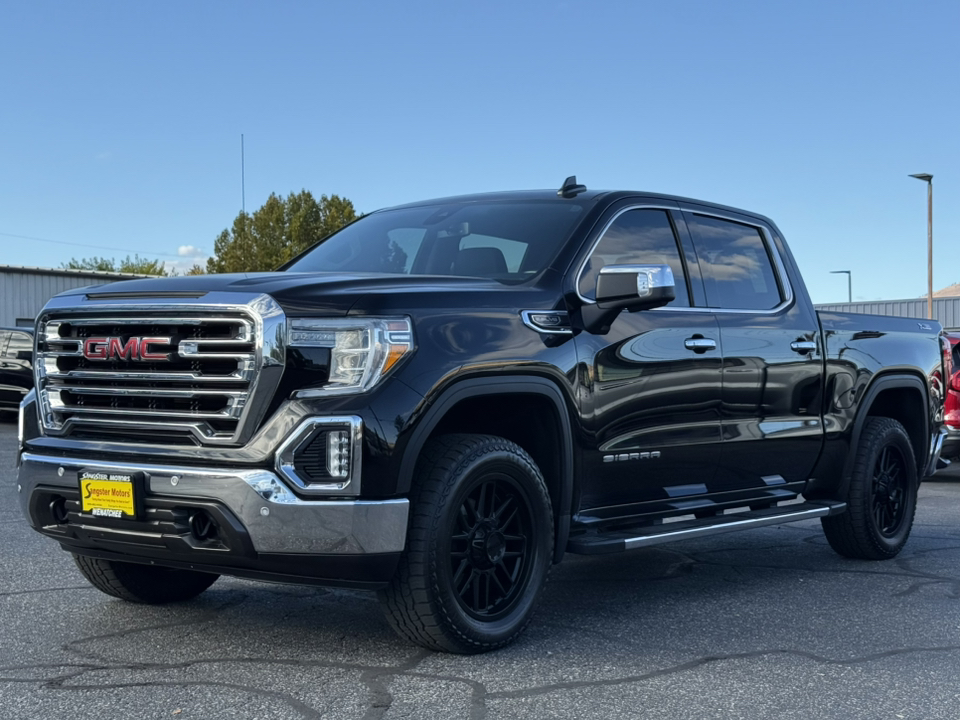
x: 614, y: 541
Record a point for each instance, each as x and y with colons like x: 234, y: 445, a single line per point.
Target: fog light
x: 338, y: 453
x: 324, y: 456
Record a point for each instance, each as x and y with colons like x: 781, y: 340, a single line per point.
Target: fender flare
x: 879, y: 384
x: 502, y: 385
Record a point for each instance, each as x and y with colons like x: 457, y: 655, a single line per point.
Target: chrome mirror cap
x: 636, y: 287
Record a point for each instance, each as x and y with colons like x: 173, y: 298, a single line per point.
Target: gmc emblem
x: 135, y: 348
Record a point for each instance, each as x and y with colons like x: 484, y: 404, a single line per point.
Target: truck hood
x: 328, y: 293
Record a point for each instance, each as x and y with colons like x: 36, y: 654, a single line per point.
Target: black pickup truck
x: 441, y: 399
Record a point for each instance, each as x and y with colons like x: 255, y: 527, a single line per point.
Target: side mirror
x: 636, y: 287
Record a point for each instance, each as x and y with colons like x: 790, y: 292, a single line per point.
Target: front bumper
x: 263, y: 529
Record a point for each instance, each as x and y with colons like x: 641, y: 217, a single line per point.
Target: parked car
x: 442, y: 399
x: 951, y: 406
x: 16, y: 366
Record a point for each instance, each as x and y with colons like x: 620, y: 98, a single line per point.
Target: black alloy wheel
x: 890, y: 491
x: 488, y: 554
x: 479, y: 546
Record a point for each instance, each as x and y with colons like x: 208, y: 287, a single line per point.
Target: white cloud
x: 189, y: 251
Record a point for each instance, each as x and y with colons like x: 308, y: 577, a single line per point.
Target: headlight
x: 362, y: 350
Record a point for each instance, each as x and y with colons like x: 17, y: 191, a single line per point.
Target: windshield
x: 506, y: 241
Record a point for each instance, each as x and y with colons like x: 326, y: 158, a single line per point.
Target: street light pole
x: 928, y: 178
x: 849, y: 282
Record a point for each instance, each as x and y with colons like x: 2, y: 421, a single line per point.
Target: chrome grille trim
x: 222, y: 406
x: 246, y: 369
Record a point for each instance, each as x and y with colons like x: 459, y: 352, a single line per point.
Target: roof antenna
x: 570, y: 188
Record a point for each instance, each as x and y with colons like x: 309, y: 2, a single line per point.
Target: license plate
x: 110, y: 494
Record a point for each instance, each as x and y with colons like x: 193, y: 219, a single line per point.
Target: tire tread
x: 143, y: 584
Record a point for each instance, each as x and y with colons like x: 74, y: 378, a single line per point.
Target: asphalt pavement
x: 767, y: 623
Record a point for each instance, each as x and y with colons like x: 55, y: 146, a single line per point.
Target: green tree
x: 280, y: 229
x: 134, y: 266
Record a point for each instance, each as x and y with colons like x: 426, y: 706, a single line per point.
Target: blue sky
x: 120, y: 122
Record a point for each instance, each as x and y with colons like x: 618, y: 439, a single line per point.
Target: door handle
x: 700, y: 344
x: 803, y: 346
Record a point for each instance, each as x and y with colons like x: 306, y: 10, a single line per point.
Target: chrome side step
x: 622, y: 539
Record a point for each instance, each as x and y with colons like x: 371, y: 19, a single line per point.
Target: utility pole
x: 243, y: 191
x: 928, y: 178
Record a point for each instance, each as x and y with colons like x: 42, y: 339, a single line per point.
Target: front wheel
x: 882, y: 498
x: 479, y: 547
x: 146, y: 584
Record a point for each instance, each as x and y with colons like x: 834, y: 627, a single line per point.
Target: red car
x: 951, y: 407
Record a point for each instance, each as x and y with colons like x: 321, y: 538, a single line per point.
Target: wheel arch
x: 902, y: 397
x: 519, y: 400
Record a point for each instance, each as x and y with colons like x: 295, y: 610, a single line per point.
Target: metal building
x: 25, y: 290
x: 946, y: 310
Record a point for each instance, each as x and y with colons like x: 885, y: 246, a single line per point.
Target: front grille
x: 128, y: 376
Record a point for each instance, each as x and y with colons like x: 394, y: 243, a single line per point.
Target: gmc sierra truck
x: 442, y: 399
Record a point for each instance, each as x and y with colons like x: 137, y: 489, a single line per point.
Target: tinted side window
x: 735, y: 263
x: 637, y: 237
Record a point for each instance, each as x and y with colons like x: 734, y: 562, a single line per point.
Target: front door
x: 650, y: 395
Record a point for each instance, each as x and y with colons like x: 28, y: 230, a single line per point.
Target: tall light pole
x: 928, y: 178
x: 849, y: 282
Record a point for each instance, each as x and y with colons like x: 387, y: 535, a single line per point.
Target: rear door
x: 772, y: 366
x: 650, y: 397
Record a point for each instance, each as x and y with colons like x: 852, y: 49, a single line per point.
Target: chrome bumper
x: 276, y: 520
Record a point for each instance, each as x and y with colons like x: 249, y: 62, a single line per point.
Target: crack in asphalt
x: 371, y: 676
x: 60, y: 683
x: 381, y: 698
x: 206, y: 616
x: 906, y: 563
x: 375, y: 678
x: 709, y: 659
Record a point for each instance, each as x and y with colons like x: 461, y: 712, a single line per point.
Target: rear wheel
x: 882, y: 498
x: 479, y: 547
x: 147, y: 584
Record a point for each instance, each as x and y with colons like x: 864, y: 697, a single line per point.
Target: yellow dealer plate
x: 109, y: 494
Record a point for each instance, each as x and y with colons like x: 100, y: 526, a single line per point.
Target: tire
x: 146, y: 584
x: 479, y: 546
x: 882, y: 497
